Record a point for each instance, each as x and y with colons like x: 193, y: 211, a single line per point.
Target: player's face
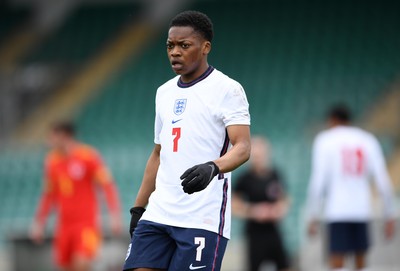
x: 187, y: 52
x: 56, y: 140
x: 259, y: 155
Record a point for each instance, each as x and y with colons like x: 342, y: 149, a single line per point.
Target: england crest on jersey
x: 179, y: 106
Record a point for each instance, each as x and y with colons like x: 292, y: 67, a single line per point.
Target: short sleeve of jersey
x: 234, y: 106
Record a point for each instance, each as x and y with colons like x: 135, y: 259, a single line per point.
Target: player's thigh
x: 151, y: 247
x: 279, y: 255
x: 339, y: 238
x: 86, y: 244
x: 257, y: 249
x: 197, y: 249
x: 361, y: 238
x: 63, y: 248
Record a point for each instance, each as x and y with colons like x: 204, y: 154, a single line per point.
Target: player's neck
x: 260, y: 171
x: 188, y: 78
x: 68, y: 147
x: 336, y: 123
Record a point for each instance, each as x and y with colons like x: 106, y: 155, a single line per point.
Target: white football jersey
x: 190, y: 126
x: 344, y: 160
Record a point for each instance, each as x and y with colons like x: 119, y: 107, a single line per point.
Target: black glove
x: 198, y: 177
x: 136, y: 214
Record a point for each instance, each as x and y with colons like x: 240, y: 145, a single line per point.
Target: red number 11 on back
x: 353, y: 161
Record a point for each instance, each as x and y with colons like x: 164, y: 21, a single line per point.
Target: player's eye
x: 185, y: 46
x: 170, y: 46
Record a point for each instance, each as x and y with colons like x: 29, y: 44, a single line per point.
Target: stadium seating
x: 294, y: 59
x: 10, y: 18
x: 83, y: 33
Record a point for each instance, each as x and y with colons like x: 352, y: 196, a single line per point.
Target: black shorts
x: 266, y: 247
x: 348, y: 237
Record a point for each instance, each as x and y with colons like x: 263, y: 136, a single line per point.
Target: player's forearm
x: 283, y: 206
x: 149, y: 178
x: 45, y: 205
x: 384, y: 185
x: 235, y: 157
x: 239, y: 207
x: 112, y: 199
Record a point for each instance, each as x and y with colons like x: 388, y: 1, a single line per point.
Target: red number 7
x: 177, y: 133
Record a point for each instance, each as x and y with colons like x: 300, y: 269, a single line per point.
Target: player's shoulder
x: 348, y: 132
x: 86, y: 152
x: 246, y: 174
x: 52, y: 157
x: 222, y: 78
x: 168, y: 86
x: 228, y: 88
x: 368, y: 136
x: 171, y: 83
x: 361, y: 134
x: 323, y: 135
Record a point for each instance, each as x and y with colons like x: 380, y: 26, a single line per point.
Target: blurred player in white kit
x: 344, y: 159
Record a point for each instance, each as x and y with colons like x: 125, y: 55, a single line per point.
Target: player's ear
x: 206, y: 47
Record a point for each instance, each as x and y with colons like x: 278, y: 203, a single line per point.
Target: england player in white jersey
x: 344, y: 159
x: 201, y: 134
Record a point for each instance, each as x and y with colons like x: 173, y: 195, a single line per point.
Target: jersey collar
x: 195, y: 81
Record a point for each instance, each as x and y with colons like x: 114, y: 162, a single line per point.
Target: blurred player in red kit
x: 72, y: 173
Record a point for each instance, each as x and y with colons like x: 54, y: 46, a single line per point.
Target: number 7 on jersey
x: 177, y: 133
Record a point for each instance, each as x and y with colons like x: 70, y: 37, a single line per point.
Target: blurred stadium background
x: 99, y: 63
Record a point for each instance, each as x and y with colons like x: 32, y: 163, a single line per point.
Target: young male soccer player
x: 344, y: 159
x: 186, y: 183
x: 72, y: 172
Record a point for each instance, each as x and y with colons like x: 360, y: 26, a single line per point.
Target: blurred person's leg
x: 278, y: 250
x: 339, y: 244
x: 336, y: 261
x: 361, y: 244
x: 255, y: 251
x: 360, y: 261
x: 85, y: 245
x: 62, y: 249
x: 80, y: 263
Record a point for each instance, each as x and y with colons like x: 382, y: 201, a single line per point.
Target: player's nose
x: 175, y: 51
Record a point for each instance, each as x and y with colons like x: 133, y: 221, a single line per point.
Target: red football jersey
x: 70, y: 186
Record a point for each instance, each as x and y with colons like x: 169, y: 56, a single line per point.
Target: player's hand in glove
x: 136, y: 214
x: 198, y: 177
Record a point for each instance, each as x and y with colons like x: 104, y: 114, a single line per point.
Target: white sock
x: 340, y: 269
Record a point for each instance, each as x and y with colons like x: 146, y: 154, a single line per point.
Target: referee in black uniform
x: 259, y: 198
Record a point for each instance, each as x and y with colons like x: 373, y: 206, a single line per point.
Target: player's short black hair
x: 66, y: 127
x: 340, y: 112
x: 197, y: 20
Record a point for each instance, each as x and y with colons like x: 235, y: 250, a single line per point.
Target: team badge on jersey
x: 76, y: 171
x: 179, y: 106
